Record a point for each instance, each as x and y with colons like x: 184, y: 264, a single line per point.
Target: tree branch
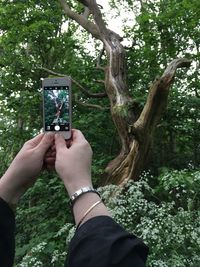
x: 86, y: 13
x: 80, y: 19
x: 52, y: 72
x: 85, y: 2
x: 97, y: 16
x: 99, y: 58
x: 85, y: 91
x: 99, y: 81
x: 174, y: 65
x: 100, y: 24
x: 157, y: 98
x: 88, y: 105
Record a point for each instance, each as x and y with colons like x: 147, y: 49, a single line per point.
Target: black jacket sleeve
x: 7, y: 235
x: 101, y: 242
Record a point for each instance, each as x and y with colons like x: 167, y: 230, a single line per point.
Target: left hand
x: 25, y: 168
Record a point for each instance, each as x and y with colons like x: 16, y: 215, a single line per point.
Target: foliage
x: 40, y: 36
x: 164, y: 214
x: 40, y: 222
x: 163, y: 210
x: 165, y: 30
x: 160, y: 32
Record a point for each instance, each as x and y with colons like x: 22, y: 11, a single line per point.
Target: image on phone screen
x: 56, y: 108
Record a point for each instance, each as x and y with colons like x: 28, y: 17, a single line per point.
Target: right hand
x: 73, y: 164
x: 24, y: 169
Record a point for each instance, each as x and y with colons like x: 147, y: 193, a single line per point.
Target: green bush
x: 165, y: 215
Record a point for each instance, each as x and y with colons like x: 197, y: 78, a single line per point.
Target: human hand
x: 73, y: 163
x: 25, y: 167
x: 50, y: 158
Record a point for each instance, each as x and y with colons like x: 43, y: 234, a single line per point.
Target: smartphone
x: 57, y: 105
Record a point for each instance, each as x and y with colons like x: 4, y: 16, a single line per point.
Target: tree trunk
x: 136, y: 133
x: 135, y: 130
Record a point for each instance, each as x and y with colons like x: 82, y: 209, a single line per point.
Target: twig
x: 52, y: 72
x: 88, y: 105
x: 85, y: 91
x: 99, y: 81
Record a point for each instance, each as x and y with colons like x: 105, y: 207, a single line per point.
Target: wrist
x: 77, y: 184
x: 10, y: 191
x: 8, y: 194
x: 80, y: 192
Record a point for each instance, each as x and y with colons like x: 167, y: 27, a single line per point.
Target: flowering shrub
x: 46, y: 253
x: 165, y: 215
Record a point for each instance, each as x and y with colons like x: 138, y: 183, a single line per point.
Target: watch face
x: 56, y: 108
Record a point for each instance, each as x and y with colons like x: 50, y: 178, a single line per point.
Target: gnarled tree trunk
x: 135, y: 130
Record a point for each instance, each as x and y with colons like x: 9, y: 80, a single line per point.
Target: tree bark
x: 135, y: 130
x: 129, y: 165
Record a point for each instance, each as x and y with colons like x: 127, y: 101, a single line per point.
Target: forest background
x: 162, y: 206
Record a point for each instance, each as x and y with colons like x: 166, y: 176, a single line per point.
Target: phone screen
x: 56, y: 108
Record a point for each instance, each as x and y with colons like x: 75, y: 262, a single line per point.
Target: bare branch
x: 97, y: 16
x: 88, y: 105
x: 80, y: 19
x: 86, y: 13
x: 99, y: 81
x: 85, y: 91
x: 174, y: 65
x: 95, y: 10
x: 101, y: 68
x: 52, y: 72
x: 100, y: 6
x: 157, y: 98
x: 85, y: 2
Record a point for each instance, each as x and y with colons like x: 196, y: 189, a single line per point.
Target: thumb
x: 45, y: 143
x: 59, y: 142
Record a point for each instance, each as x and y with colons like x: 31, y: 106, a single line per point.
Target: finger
x: 50, y: 161
x: 35, y: 140
x: 50, y: 153
x: 77, y: 136
x: 45, y: 143
x: 52, y: 149
x: 59, y: 142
